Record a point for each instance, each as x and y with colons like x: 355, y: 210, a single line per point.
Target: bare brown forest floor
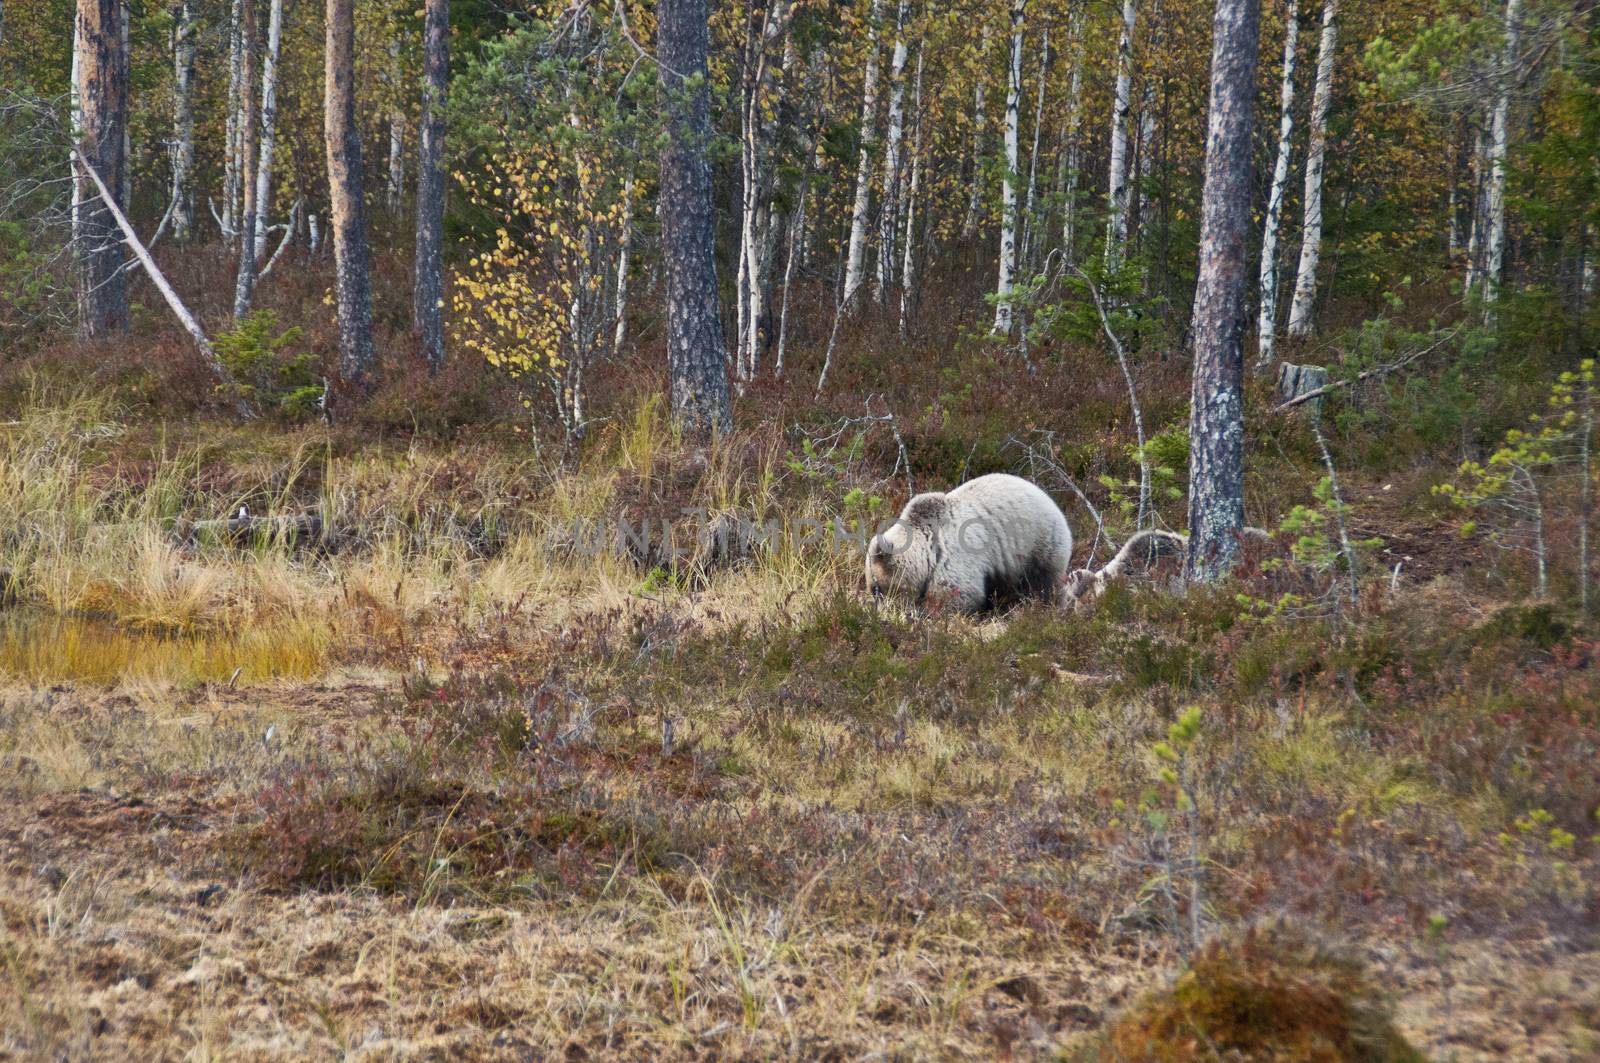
x: 126, y: 938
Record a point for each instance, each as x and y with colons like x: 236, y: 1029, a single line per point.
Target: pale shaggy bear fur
x: 989, y: 543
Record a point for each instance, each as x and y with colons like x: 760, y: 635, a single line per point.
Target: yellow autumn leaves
x: 525, y: 304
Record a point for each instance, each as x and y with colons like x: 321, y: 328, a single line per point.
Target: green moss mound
x: 1273, y: 993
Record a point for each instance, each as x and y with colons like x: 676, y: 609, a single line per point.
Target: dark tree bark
x: 427, y: 305
x: 1216, y: 420
x: 103, y: 105
x: 353, y: 279
x: 696, y: 357
x: 249, y: 158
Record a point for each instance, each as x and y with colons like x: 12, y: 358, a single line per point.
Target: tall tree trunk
x: 1301, y: 316
x: 1072, y: 156
x: 980, y: 124
x: 1216, y: 422
x: 1475, y: 237
x: 75, y: 130
x: 696, y: 358
x: 1462, y: 164
x: 1144, y: 145
x: 395, y: 185
x: 1499, y: 145
x: 249, y: 121
x: 855, y: 263
x: 1267, y: 320
x: 889, y: 211
x: 347, y: 214
x: 1121, y: 106
x: 125, y: 32
x: 269, y: 126
x: 1008, y: 190
x: 755, y: 229
x: 797, y: 239
x: 427, y: 300
x: 183, y: 47
x: 908, y: 267
x: 1030, y: 201
x: 230, y: 168
x: 619, y: 330
x: 102, y: 88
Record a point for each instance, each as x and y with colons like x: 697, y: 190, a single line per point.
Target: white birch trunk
x: 980, y: 123
x: 1117, y: 191
x: 1145, y: 146
x: 269, y: 115
x: 230, y: 168
x: 755, y: 231
x: 1030, y: 201
x: 619, y: 335
x: 908, y: 266
x: 855, y: 263
x: 1008, y: 189
x: 889, y: 211
x: 75, y: 126
x: 183, y: 48
x: 1305, y: 285
x: 395, y: 187
x: 797, y: 236
x: 1480, y: 152
x: 1267, y: 319
x: 1073, y: 154
x: 1500, y: 137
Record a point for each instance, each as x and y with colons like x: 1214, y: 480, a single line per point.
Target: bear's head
x: 901, y: 559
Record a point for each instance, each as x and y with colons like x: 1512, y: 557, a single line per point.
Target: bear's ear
x: 926, y: 511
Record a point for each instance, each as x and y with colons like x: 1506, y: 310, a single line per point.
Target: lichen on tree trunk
x: 1216, y: 425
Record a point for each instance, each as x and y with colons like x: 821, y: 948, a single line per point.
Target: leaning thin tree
x: 696, y: 358
x: 1216, y: 420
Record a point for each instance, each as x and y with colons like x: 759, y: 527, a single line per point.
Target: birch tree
x: 1305, y: 286
x: 1267, y: 319
x: 1008, y: 189
x: 230, y: 166
x: 755, y: 228
x: 183, y: 48
x: 1030, y: 201
x: 889, y: 210
x: 1216, y: 422
x: 1499, y: 144
x: 1121, y: 109
x: 427, y: 297
x: 980, y: 123
x: 1072, y: 154
x: 394, y: 187
x: 347, y: 215
x: 855, y: 262
x: 908, y: 267
x: 102, y: 89
x: 695, y: 354
x: 269, y: 126
x: 249, y: 122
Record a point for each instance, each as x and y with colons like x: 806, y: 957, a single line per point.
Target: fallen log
x: 243, y: 528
